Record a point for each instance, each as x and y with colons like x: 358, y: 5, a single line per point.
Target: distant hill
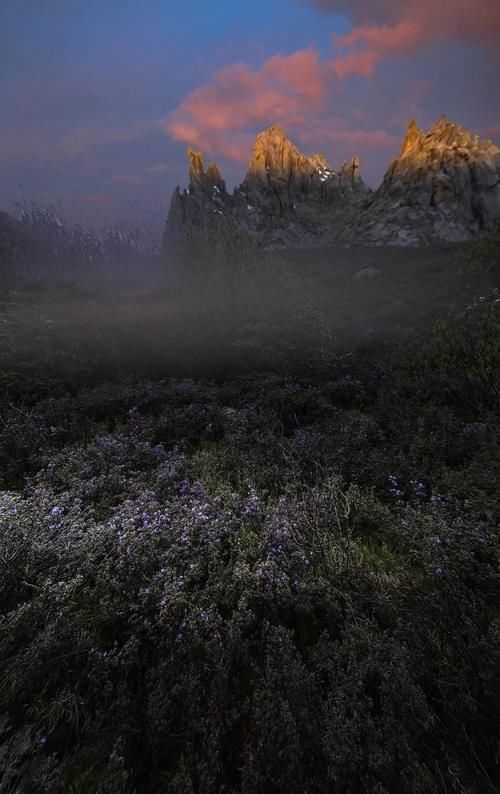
x: 19, y: 250
x: 41, y: 245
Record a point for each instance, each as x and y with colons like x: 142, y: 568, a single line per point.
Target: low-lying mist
x: 218, y: 305
x: 246, y: 499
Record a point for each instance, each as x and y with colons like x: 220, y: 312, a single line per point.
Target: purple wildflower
x: 394, y: 488
x: 180, y: 633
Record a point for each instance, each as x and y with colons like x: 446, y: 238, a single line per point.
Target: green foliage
x: 459, y: 363
x: 479, y: 264
x: 466, y: 352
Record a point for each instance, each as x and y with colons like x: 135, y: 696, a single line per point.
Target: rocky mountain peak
x: 445, y: 185
x: 444, y: 135
x: 196, y: 168
x: 447, y: 133
x: 274, y: 156
x: 214, y: 175
x: 413, y: 138
x: 199, y: 178
x: 283, y: 193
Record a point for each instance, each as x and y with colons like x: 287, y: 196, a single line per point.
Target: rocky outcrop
x: 199, y: 179
x: 444, y: 186
x: 201, y: 206
x: 284, y: 199
x: 277, y: 167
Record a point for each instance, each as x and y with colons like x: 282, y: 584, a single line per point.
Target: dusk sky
x: 99, y: 99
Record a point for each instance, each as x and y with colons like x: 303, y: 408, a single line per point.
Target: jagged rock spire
x: 213, y: 174
x: 444, y: 186
x: 413, y: 138
x: 198, y: 177
x: 447, y: 133
x: 274, y: 155
x: 350, y: 174
x: 196, y: 168
x: 283, y: 193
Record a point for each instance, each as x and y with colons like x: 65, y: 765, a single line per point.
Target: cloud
x: 377, y: 42
x: 292, y: 90
x: 286, y: 89
x: 299, y: 90
x: 474, y: 21
x: 387, y: 28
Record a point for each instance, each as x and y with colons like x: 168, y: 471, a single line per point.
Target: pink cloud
x: 301, y: 72
x: 412, y: 26
x: 377, y: 42
x: 393, y: 27
x: 217, y: 116
x: 298, y: 91
x: 290, y: 90
x: 359, y: 63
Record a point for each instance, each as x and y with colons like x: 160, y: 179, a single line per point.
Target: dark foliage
x: 280, y: 579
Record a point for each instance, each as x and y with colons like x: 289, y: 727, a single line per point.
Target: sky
x: 99, y: 99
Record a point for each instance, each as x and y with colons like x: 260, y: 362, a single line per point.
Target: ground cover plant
x: 270, y: 572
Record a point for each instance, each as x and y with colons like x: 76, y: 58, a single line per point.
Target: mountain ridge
x: 443, y: 186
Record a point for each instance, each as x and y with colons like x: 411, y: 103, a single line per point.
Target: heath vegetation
x: 240, y: 555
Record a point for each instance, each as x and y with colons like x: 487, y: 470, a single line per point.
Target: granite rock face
x: 277, y: 165
x: 196, y: 207
x: 286, y: 198
x: 444, y: 186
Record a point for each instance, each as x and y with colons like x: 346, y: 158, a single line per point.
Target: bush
x: 195, y: 599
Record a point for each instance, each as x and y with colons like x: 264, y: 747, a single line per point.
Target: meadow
x: 249, y: 526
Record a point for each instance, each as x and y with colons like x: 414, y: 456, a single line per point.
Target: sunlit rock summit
x: 444, y: 186
x: 276, y: 165
x: 284, y: 199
